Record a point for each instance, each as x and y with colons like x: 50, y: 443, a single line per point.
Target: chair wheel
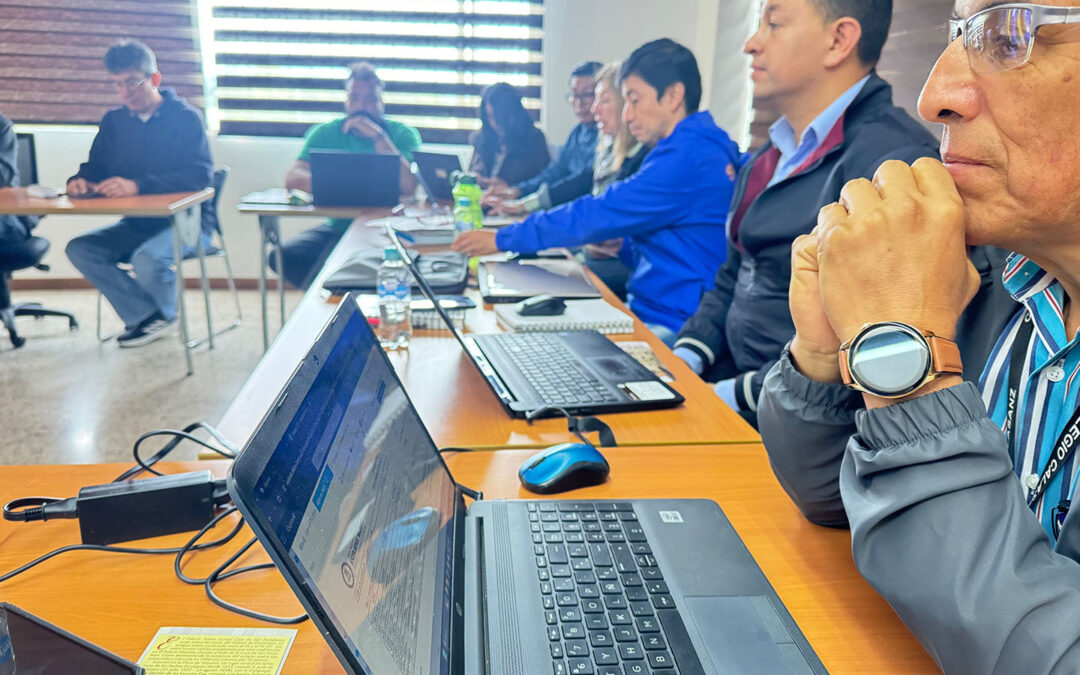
x: 18, y: 341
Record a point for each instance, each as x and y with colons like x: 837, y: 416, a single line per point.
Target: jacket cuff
x: 812, y: 392
x: 744, y: 394
x: 920, y: 418
x: 697, y: 346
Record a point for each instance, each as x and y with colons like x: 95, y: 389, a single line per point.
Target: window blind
x: 51, y: 54
x: 279, y: 65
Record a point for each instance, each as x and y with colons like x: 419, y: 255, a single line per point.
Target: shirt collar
x: 1024, y: 279
x: 1042, y: 295
x: 782, y: 134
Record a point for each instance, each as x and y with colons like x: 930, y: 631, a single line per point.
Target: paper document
x: 206, y: 651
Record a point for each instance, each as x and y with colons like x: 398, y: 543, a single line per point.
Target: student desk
x: 269, y: 216
x: 178, y: 207
x: 455, y: 402
x: 119, y: 601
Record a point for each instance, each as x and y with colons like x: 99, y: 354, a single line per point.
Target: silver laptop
x: 348, y: 494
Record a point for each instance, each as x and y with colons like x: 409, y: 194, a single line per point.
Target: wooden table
x: 269, y: 216
x: 119, y: 601
x: 454, y: 400
x: 178, y: 207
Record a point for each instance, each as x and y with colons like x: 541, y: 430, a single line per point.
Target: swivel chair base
x: 34, y: 309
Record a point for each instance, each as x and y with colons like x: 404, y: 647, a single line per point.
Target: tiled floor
x: 67, y: 399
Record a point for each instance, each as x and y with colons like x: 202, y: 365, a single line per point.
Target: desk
x: 453, y: 399
x: 119, y: 601
x: 270, y: 216
x: 178, y: 207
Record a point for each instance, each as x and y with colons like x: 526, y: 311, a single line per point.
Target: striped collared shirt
x: 1049, y: 385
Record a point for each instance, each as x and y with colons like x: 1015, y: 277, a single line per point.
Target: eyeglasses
x: 129, y: 83
x: 572, y: 97
x: 1000, y: 38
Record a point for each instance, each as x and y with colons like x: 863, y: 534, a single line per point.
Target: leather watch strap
x: 945, y: 354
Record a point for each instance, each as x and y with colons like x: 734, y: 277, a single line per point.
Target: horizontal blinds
x: 51, y: 54
x: 280, y: 65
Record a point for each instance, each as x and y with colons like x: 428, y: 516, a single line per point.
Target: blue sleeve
x: 662, y: 192
x: 556, y: 170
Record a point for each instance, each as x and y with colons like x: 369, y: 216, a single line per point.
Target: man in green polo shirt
x: 303, y: 255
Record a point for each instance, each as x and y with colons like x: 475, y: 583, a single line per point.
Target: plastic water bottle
x: 466, y: 188
x: 394, y: 287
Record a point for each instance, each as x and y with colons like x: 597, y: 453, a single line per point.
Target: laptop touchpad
x: 738, y: 638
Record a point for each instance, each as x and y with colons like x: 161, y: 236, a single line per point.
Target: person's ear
x: 674, y: 97
x: 845, y: 34
x: 155, y: 79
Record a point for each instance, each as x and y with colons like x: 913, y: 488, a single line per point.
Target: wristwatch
x: 892, y: 360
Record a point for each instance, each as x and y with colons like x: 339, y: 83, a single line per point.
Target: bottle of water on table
x: 394, y: 287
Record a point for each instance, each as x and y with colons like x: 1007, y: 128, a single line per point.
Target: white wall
x: 602, y: 30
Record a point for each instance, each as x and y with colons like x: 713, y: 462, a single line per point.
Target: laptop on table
x: 581, y: 372
x: 345, y: 488
x: 433, y: 172
x: 353, y: 179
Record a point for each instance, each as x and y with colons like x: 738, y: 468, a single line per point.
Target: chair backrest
x: 210, y: 218
x: 27, y: 159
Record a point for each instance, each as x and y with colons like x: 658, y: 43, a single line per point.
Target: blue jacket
x: 672, y: 211
x: 569, y: 175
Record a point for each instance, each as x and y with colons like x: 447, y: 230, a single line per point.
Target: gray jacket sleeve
x: 940, y: 528
x: 806, y: 426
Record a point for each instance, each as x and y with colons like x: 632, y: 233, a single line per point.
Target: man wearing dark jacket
x: 814, y: 60
x: 13, y: 229
x: 155, y: 143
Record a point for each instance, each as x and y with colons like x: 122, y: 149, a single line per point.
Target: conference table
x: 452, y: 397
x: 180, y: 208
x: 118, y: 601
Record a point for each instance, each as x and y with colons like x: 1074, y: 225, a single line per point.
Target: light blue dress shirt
x: 794, y: 152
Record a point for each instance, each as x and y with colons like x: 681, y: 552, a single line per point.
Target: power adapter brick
x: 137, y: 509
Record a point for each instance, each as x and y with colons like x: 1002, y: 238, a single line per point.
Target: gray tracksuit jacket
x: 939, y: 525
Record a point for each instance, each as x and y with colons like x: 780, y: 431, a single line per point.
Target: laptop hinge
x: 477, y: 659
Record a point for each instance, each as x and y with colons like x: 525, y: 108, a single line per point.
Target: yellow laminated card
x: 217, y: 651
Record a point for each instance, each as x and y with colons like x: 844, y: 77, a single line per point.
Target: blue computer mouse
x: 563, y: 467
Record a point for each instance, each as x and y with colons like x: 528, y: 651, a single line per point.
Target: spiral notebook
x: 595, y: 315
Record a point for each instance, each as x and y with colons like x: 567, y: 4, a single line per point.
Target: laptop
x: 514, y: 280
x: 347, y: 492
x: 434, y: 174
x: 351, y: 179
x: 29, y: 644
x: 539, y: 374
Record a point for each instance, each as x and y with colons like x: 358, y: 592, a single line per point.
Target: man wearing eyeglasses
x: 957, y: 495
x: 155, y: 143
x: 569, y: 175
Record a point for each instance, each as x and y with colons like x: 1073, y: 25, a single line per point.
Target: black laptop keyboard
x: 552, y: 369
x: 607, y: 608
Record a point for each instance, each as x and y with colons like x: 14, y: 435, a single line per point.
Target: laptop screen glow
x: 362, y: 504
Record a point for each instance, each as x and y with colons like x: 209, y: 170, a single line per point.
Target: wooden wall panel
x: 51, y: 54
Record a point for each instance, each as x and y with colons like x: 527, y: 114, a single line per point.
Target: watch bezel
x: 909, y: 331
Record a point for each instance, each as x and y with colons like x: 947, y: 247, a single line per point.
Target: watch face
x: 889, y: 360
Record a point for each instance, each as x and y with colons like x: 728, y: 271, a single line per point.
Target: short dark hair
x: 875, y: 17
x: 362, y: 71
x: 586, y: 69
x: 662, y: 63
x: 130, y: 55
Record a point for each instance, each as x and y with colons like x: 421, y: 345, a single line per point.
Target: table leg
x: 178, y: 260
x: 268, y: 226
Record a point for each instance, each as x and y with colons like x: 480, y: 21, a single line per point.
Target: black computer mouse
x: 563, y: 467
x: 541, y: 305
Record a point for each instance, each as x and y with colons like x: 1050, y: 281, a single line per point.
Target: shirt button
x: 1031, y: 481
x: 1055, y: 374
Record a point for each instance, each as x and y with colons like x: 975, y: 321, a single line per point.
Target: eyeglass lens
x: 998, y: 39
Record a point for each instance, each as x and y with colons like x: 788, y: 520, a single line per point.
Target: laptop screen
x: 362, y: 505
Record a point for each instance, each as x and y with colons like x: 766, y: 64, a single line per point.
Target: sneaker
x: 146, y: 332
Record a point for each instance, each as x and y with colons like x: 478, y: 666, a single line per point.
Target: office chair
x: 25, y: 254
x: 209, y: 214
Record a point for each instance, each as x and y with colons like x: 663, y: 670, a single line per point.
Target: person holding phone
x: 364, y: 129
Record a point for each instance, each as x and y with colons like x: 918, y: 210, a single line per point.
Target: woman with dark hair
x: 508, y: 145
